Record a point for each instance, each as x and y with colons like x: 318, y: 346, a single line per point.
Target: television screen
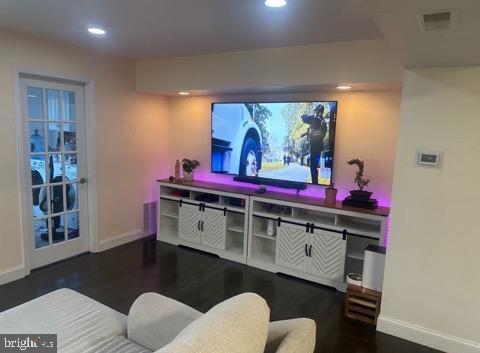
x: 285, y: 141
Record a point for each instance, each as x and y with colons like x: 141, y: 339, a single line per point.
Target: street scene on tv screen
x: 284, y: 141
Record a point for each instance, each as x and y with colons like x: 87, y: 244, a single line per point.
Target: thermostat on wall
x: 429, y: 158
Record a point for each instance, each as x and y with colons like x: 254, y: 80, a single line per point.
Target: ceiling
x: 458, y: 46
x: 143, y: 29
x: 146, y: 29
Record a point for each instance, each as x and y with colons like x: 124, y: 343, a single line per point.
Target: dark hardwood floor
x: 117, y: 276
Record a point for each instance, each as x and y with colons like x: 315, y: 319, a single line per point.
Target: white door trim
x: 90, y: 132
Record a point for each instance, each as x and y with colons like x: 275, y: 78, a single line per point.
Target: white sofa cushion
x: 295, y: 335
x: 237, y: 325
x: 83, y: 325
x: 155, y: 320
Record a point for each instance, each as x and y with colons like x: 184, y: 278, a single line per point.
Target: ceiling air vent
x: 435, y: 21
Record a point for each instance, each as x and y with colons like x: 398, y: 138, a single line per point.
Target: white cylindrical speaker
x: 373, y: 267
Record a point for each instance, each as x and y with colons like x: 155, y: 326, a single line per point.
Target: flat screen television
x: 292, y: 141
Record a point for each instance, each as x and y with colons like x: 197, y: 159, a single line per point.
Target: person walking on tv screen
x: 316, y: 134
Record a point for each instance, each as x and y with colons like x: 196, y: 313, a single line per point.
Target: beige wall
x: 132, y: 136
x: 331, y: 63
x: 432, y: 277
x: 366, y: 128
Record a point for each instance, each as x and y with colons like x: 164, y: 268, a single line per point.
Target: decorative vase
x: 271, y: 228
x: 330, y: 196
x: 177, y: 170
x: 188, y: 176
x: 360, y: 195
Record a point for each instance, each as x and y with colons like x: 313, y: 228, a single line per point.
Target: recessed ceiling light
x: 184, y: 93
x: 344, y: 87
x: 97, y: 31
x: 275, y: 3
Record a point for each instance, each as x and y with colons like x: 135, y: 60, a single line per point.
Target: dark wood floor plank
x: 118, y: 276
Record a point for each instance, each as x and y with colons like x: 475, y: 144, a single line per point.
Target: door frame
x: 22, y: 154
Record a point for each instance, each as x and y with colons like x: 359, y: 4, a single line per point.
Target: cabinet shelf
x: 234, y: 208
x: 264, y: 236
x: 171, y: 198
x: 264, y: 257
x: 371, y: 228
x: 361, y: 229
x: 314, y: 216
x: 356, y: 254
x: 213, y: 204
x: 317, y: 221
x: 235, y: 249
x: 269, y: 214
x: 236, y: 229
x: 263, y: 249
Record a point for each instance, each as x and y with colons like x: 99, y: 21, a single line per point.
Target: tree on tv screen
x: 261, y: 114
x: 296, y: 143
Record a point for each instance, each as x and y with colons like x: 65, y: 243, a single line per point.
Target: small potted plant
x: 189, y: 165
x: 360, y: 194
x: 331, y: 194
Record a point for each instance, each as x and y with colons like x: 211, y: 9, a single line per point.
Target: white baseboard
x: 12, y: 274
x: 120, y: 240
x: 18, y: 272
x: 425, y: 336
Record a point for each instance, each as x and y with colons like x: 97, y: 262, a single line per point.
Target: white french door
x: 53, y: 118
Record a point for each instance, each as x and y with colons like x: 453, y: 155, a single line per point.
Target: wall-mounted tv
x: 292, y: 141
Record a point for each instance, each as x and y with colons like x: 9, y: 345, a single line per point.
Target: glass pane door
x: 54, y: 116
x: 53, y: 162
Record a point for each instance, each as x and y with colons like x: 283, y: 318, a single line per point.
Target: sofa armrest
x: 155, y: 320
x: 296, y: 335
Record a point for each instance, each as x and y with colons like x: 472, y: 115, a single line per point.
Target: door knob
x: 83, y: 180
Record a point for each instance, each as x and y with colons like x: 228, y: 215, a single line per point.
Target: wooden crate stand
x: 362, y: 304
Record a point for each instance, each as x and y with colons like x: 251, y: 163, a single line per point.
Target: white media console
x: 312, y: 240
